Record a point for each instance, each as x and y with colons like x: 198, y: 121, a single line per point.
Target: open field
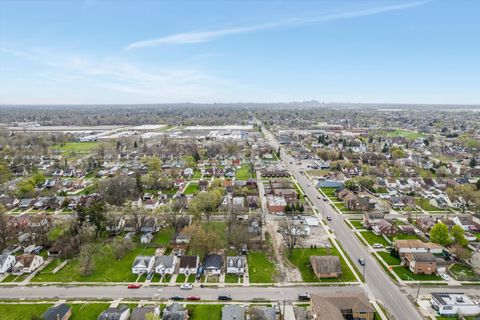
x: 76, y: 147
x: 404, y: 133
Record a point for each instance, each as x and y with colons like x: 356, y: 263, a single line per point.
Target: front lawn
x: 87, y: 311
x: 107, y: 268
x: 329, y: 192
x: 405, y: 274
x: 357, y: 223
x: 372, y: 238
x: 231, y: 278
x: 22, y: 311
x: 260, y: 268
x: 301, y: 259
x: 180, y: 278
x: 389, y: 259
x: 205, y: 311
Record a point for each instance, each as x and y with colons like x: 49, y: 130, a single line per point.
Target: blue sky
x: 88, y: 52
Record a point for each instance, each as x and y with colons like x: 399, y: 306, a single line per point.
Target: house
x: 165, y: 264
x: 464, y: 221
x: 372, y: 218
x: 397, y: 203
x: 213, y: 264
x: 146, y: 238
x: 7, y: 261
x: 341, y: 306
x: 426, y: 223
x: 175, y: 311
x: 25, y: 204
x: 233, y: 312
x: 276, y: 204
x: 140, y: 313
x: 27, y: 263
x: 383, y: 227
x: 60, y: 312
x: 409, y: 246
x: 149, y: 224
x: 326, y: 266
x: 188, y: 265
x: 182, y: 238
x: 421, y: 262
x: 143, y: 264
x: 236, y: 265
x: 8, y: 202
x: 122, y: 312
x: 449, y: 304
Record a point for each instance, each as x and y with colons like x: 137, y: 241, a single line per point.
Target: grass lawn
x: 317, y: 172
x: 357, y: 223
x: 260, y: 268
x: 406, y: 274
x: 341, y: 206
x: 87, y: 311
x: 22, y: 311
x: 218, y: 227
x: 244, y: 173
x: 192, y: 188
x: 404, y: 133
x: 463, y: 273
x: 197, y: 174
x: 231, y: 278
x: 107, y: 268
x: 425, y: 204
x: 329, y: 192
x: 76, y: 147
x: 205, y: 311
x: 301, y: 259
x: 405, y: 236
x: 372, y: 238
x: 163, y: 236
x: 180, y: 278
x: 389, y: 259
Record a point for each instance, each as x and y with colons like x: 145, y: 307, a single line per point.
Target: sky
x: 134, y: 52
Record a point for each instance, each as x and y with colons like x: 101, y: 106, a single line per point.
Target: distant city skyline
x: 123, y: 52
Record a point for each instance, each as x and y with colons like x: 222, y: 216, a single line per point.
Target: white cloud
x: 205, y: 36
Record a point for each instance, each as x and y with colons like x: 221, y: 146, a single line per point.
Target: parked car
x: 445, y: 276
x: 329, y: 218
x: 193, y: 298
x: 304, y: 296
x: 177, y: 298
x: 377, y: 246
x: 224, y: 297
x: 134, y: 286
x: 361, y: 261
x: 186, y: 286
x: 324, y: 199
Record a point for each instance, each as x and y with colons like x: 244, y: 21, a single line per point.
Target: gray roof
x: 56, y: 312
x: 327, y: 264
x: 166, y: 261
x: 113, y: 313
x: 233, y: 312
x: 3, y: 258
x: 423, y: 256
x: 141, y: 261
x: 213, y: 261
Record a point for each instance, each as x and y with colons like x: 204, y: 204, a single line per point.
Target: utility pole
x: 364, y: 265
x: 418, y: 290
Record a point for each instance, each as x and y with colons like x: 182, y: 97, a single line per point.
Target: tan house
x: 27, y: 263
x: 326, y: 266
x: 421, y: 262
x: 410, y: 246
x: 341, y: 306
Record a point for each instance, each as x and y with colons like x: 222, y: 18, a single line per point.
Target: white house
x: 464, y: 221
x: 454, y: 303
x: 188, y: 265
x: 165, y: 264
x: 146, y: 238
x: 27, y: 263
x: 122, y: 312
x: 143, y: 264
x: 236, y: 265
x: 7, y: 261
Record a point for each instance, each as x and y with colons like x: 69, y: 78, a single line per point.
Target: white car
x: 445, y: 276
x: 377, y: 246
x: 186, y: 286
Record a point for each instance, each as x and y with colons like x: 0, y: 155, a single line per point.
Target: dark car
x: 329, y: 218
x: 361, y: 261
x: 224, y: 297
x: 177, y: 298
x: 304, y: 296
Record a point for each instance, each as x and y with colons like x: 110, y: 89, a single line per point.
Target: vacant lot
x: 22, y: 311
x: 205, y: 311
x: 107, y: 268
x: 425, y: 204
x: 76, y: 147
x: 244, y: 173
x: 260, y: 268
x: 301, y: 259
x: 372, y: 238
x: 357, y: 224
x: 87, y: 311
x: 463, y: 273
x: 163, y: 236
x: 192, y: 188
x: 404, y: 133
x: 389, y: 259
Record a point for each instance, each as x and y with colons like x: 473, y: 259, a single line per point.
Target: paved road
x: 378, y: 283
x: 95, y: 292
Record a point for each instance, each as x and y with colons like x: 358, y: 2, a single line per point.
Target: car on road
x: 445, y: 276
x: 224, y: 297
x: 193, y: 298
x: 377, y: 246
x: 177, y: 298
x: 329, y: 218
x: 304, y: 296
x: 361, y: 261
x: 186, y: 286
x: 134, y: 286
x: 309, y: 185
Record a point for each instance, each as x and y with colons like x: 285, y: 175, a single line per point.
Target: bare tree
x: 6, y: 230
x: 291, y: 233
x: 87, y: 258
